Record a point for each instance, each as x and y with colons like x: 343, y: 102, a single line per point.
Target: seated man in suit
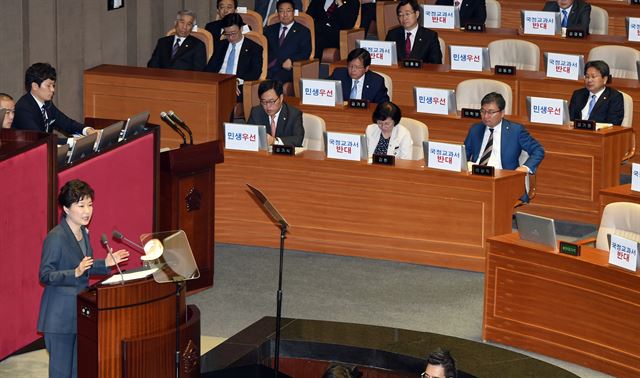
x: 510, y: 140
x: 471, y: 11
x: 35, y: 110
x: 575, y: 14
x: 283, y: 121
x: 236, y: 55
x: 289, y: 41
x: 329, y: 17
x: 412, y: 40
x: 597, y: 102
x: 7, y: 110
x: 181, y: 51
x: 357, y: 81
x: 224, y: 7
x: 266, y: 8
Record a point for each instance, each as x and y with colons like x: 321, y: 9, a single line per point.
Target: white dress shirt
x: 495, y: 159
x: 585, y: 110
x: 223, y: 69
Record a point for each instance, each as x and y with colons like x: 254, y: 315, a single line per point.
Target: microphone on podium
x: 105, y: 243
x: 182, y: 123
x: 118, y: 236
x: 173, y: 125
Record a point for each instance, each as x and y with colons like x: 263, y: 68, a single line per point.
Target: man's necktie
x: 331, y: 9
x: 273, y: 126
x: 175, y: 47
x: 488, y: 149
x: 592, y: 103
x: 457, y: 4
x: 565, y: 19
x: 232, y: 60
x: 407, y: 46
x: 354, y: 90
x: 282, y: 35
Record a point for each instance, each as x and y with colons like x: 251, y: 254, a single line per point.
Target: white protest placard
x: 434, y: 100
x: 242, y: 137
x: 635, y: 177
x: 633, y: 28
x: 469, y: 58
x: 440, y: 17
x: 623, y: 253
x: 447, y: 156
x: 547, y: 110
x: 382, y: 53
x: 321, y: 92
x: 564, y: 66
x: 344, y: 146
x: 540, y: 22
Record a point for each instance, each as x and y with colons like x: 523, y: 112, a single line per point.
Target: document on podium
x: 129, y: 276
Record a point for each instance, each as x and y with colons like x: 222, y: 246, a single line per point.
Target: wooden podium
x: 129, y: 331
x: 187, y: 201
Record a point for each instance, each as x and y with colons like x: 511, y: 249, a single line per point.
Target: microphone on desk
x: 173, y: 125
x: 118, y: 236
x: 182, y: 123
x: 105, y: 243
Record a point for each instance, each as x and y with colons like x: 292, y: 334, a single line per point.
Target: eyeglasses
x: 489, y: 112
x: 269, y: 102
x: 354, y: 67
x: 406, y: 14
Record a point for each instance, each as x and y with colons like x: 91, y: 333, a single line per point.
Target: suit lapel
x: 604, y: 97
x: 282, y: 119
x: 71, y: 239
x: 366, y: 85
x: 184, y: 47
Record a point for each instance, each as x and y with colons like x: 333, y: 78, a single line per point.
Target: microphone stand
x: 109, y: 251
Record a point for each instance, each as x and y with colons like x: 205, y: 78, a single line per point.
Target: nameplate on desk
x: 635, y: 177
x: 283, y: 149
x: 564, y: 66
x: 623, y: 253
x: 321, y: 92
x: 576, y: 33
x: 434, y: 100
x: 633, y: 28
x: 584, y: 124
x: 383, y: 159
x: 504, y: 70
x: 241, y: 137
x: 344, y: 146
x: 440, y: 17
x: 412, y: 63
x: 483, y: 170
x: 383, y: 53
x: 540, y: 22
x: 553, y: 111
x: 470, y: 113
x: 358, y: 104
x: 474, y: 28
x: 569, y: 249
x: 469, y: 58
x: 446, y: 156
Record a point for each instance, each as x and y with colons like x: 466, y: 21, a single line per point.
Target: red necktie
x: 457, y: 4
x: 407, y: 46
x: 273, y: 126
x: 331, y: 9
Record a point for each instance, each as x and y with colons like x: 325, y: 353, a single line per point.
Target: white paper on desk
x: 635, y: 177
x: 129, y: 276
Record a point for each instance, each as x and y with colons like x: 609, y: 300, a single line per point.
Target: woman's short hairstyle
x: 362, y: 54
x: 386, y: 110
x: 601, y: 66
x: 74, y: 191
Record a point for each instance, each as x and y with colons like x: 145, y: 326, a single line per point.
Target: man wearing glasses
x: 181, y: 51
x: 357, y: 81
x: 283, y: 121
x: 289, y: 41
x: 414, y: 41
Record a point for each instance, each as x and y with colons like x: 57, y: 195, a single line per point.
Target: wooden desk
x: 403, y: 213
x: 200, y: 98
x: 619, y: 193
x: 577, y: 309
x: 576, y: 166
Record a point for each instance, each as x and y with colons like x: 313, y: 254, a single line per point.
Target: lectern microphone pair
x: 172, y: 119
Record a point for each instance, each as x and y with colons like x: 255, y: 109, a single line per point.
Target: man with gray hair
x: 181, y: 51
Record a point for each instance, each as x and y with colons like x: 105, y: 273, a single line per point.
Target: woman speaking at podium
x: 67, y: 261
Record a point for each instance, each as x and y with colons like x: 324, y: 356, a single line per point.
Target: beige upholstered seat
x: 306, y: 21
x: 443, y: 50
x: 627, y: 121
x: 387, y: 83
x: 494, y: 14
x: 314, y: 128
x: 253, y: 19
x: 599, y: 23
x: 419, y: 132
x: 523, y: 55
x: 470, y: 92
x: 621, y: 60
x: 620, y: 218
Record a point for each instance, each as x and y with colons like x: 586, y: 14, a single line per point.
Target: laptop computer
x: 135, y: 124
x: 83, y: 147
x: 109, y: 135
x: 537, y: 229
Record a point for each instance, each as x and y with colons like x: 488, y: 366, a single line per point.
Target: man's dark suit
x: 28, y: 116
x: 328, y: 27
x: 426, y: 46
x: 471, y: 11
x: 373, y: 90
x: 608, y: 109
x: 249, y: 60
x: 579, y: 17
x: 61, y: 254
x: 289, y: 128
x: 215, y: 28
x: 191, y: 55
x: 261, y: 6
x: 296, y: 46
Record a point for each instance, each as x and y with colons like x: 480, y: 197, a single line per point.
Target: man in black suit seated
x: 597, y: 102
x: 471, y: 11
x: 357, y: 81
x: 329, y: 17
x: 224, y: 7
x: 35, y: 110
x: 412, y: 40
x: 236, y: 55
x: 181, y: 51
x: 266, y: 8
x: 283, y: 121
x: 574, y: 14
x: 289, y: 41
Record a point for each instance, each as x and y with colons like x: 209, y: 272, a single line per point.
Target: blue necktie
x: 232, y: 60
x: 592, y: 103
x: 354, y: 90
x: 565, y: 20
x: 175, y: 47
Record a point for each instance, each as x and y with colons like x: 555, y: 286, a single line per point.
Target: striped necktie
x: 487, y: 150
